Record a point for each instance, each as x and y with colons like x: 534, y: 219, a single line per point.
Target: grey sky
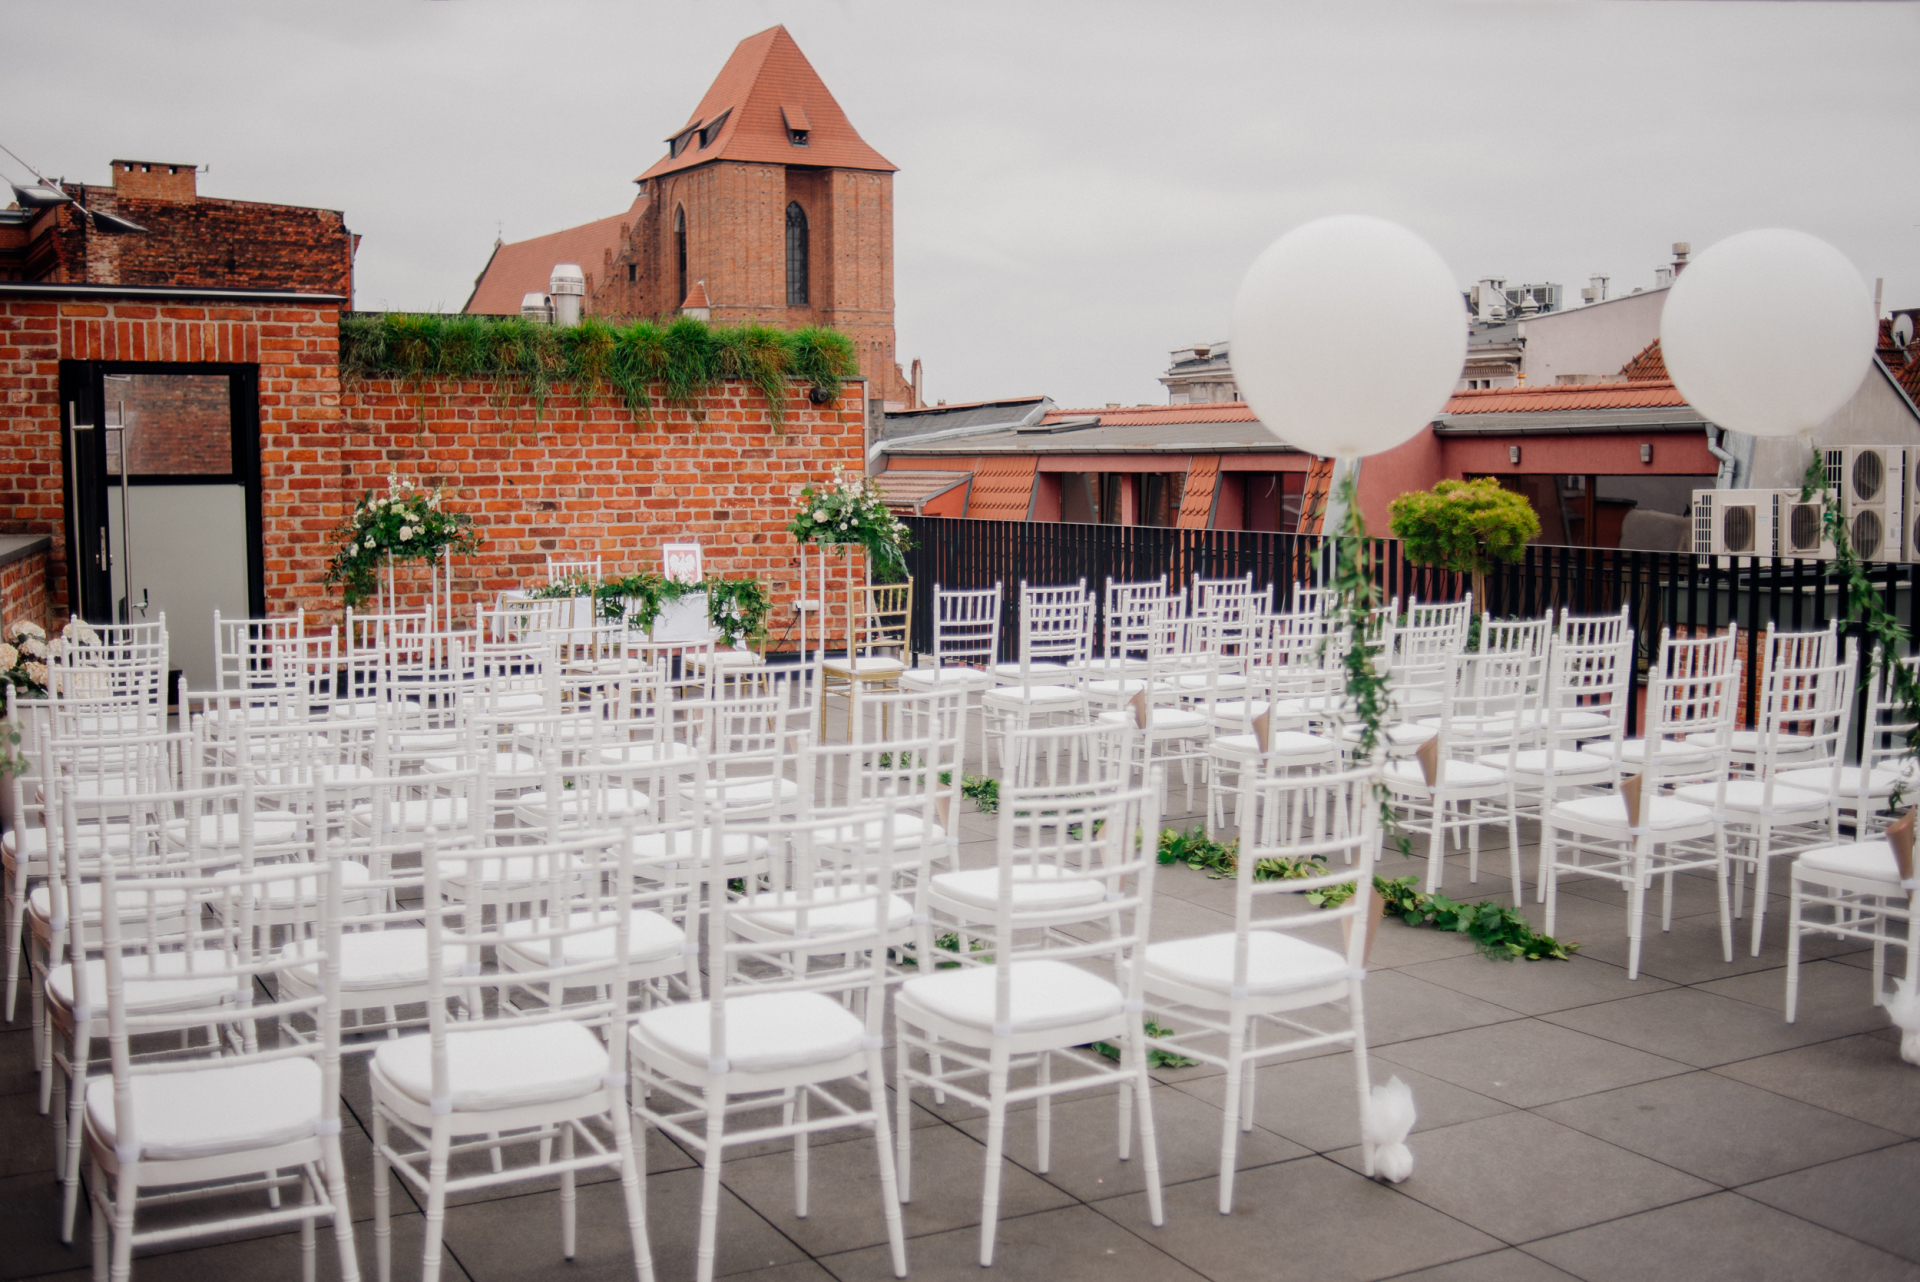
x: 1081, y: 185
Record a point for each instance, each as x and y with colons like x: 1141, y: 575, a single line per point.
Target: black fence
x: 1692, y: 595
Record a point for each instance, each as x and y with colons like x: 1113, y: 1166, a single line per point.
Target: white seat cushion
x: 1610, y: 810
x: 1277, y: 962
x: 502, y: 868
x: 1748, y: 742
x: 426, y: 741
x: 680, y: 848
x: 493, y: 1068
x: 646, y: 752
x: 1117, y: 689
x: 1671, y: 751
x: 1045, y: 994
x: 160, y: 982
x: 214, y: 1110
x: 650, y: 938
x: 1863, y: 860
x: 1399, y: 735
x: 745, y: 791
x: 289, y: 892
x: 1013, y: 696
x: 222, y: 832
x: 1452, y: 773
x: 613, y: 803
x: 949, y: 677
x: 766, y: 1032
x: 417, y: 814
x: 522, y: 764
x: 286, y: 776
x: 509, y: 701
x: 1280, y: 743
x: 88, y: 839
x: 1751, y: 795
x: 373, y: 960
x: 132, y: 902
x: 1562, y: 761
x: 1880, y: 782
x: 1240, y: 710
x: 1036, y: 887
x: 777, y: 911
x: 908, y: 830
x: 1038, y: 667
x: 1160, y: 720
x: 871, y: 665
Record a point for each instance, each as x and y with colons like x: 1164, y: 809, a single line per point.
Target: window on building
x: 798, y: 137
x: 712, y: 130
x: 630, y: 273
x: 796, y: 255
x: 680, y: 251
x: 1272, y: 501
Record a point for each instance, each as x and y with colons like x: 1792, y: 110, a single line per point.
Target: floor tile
x: 1693, y: 1026
x: 519, y: 1237
x: 1510, y: 1265
x: 1535, y: 987
x: 1073, y: 1244
x: 1401, y: 1007
x: 1310, y: 1219
x: 1084, y: 1158
x: 1315, y: 1102
x: 845, y: 1210
x: 1527, y: 1062
x: 1723, y: 1238
x: 30, y: 1228
x: 1869, y: 1196
x: 1520, y: 1176
x: 1860, y: 1077
x: 26, y: 1139
x: 18, y: 1074
x: 1835, y: 998
x: 1399, y: 944
x: 1717, y: 1128
x: 1690, y: 953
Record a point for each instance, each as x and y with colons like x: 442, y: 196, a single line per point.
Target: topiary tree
x: 1464, y: 526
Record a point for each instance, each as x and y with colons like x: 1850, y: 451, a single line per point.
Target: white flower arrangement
x: 406, y: 523
x: 853, y: 511
x: 22, y: 658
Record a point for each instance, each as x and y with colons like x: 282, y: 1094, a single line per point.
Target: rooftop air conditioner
x: 1738, y: 522
x: 1802, y: 529
x: 1872, y: 481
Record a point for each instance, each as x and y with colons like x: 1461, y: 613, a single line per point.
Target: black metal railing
x: 1693, y: 595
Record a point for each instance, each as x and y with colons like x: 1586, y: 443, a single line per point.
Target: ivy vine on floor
x: 1156, y: 1058
x: 1499, y: 931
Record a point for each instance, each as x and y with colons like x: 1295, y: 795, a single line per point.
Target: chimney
x: 536, y: 307
x: 1681, y: 249
x: 150, y: 180
x: 1598, y: 284
x: 569, y: 288
x: 1662, y: 277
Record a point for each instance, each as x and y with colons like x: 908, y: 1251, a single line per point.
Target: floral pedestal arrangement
x: 404, y: 524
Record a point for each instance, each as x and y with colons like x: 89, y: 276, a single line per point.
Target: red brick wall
x: 23, y: 592
x: 179, y: 424
x: 296, y: 349
x: 586, y: 476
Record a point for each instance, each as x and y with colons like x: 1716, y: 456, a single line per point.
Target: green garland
x: 682, y: 357
x: 737, y: 608
x: 1863, y: 603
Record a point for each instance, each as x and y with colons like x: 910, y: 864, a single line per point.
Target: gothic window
x: 796, y: 255
x: 680, y: 252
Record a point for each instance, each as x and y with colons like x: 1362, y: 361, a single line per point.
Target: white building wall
x: 1593, y: 341
x: 1878, y: 414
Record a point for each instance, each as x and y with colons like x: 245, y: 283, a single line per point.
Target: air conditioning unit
x: 1738, y: 522
x: 1872, y: 481
x: 1802, y: 528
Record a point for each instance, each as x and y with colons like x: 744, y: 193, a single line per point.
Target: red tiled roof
x: 1648, y: 366
x: 526, y: 266
x: 1904, y: 365
x: 1572, y: 396
x: 767, y: 73
x: 697, y: 296
x: 909, y: 488
x: 1148, y: 415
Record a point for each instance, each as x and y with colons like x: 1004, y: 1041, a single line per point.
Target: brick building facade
x: 767, y: 195
x: 190, y: 239
x: 581, y: 473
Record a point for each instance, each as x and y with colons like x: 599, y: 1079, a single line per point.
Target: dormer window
x: 712, y: 131
x: 799, y: 128
x: 678, y: 143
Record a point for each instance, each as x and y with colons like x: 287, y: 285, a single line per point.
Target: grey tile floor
x: 1572, y: 1124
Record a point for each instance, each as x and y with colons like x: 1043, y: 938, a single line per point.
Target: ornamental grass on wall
x: 684, y: 357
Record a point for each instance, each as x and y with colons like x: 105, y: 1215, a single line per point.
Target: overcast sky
x: 1081, y: 186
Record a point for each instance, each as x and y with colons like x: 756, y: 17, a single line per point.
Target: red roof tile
x: 1903, y: 364
x: 1648, y: 366
x: 526, y: 266
x: 1572, y: 396
x: 697, y: 296
x: 1148, y: 415
x: 767, y: 73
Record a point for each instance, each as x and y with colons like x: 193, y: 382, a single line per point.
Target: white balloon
x: 1768, y: 332
x: 1348, y: 335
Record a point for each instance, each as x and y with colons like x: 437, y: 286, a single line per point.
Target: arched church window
x: 796, y: 255
x: 680, y: 252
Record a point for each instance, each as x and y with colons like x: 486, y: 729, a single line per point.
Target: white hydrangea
x: 29, y: 629
x: 37, y: 673
x: 33, y: 647
x: 8, y: 657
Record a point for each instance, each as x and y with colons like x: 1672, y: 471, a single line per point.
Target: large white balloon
x: 1348, y: 335
x: 1768, y: 332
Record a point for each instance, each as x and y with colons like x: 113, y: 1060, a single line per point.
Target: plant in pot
x: 406, y: 523
x: 1466, y: 527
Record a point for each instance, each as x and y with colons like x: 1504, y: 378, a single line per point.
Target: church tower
x: 770, y: 201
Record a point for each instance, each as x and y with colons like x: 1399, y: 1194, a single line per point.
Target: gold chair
x: 876, y: 648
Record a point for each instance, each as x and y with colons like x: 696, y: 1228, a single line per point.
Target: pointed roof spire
x: 696, y: 304
x: 768, y: 104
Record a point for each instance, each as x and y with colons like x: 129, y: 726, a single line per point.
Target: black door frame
x: 89, y: 489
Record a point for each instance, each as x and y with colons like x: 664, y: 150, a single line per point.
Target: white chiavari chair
x: 966, y: 640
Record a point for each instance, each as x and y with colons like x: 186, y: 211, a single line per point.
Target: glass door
x: 167, y: 501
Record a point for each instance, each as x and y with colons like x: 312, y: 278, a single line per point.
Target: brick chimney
x: 151, y: 180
